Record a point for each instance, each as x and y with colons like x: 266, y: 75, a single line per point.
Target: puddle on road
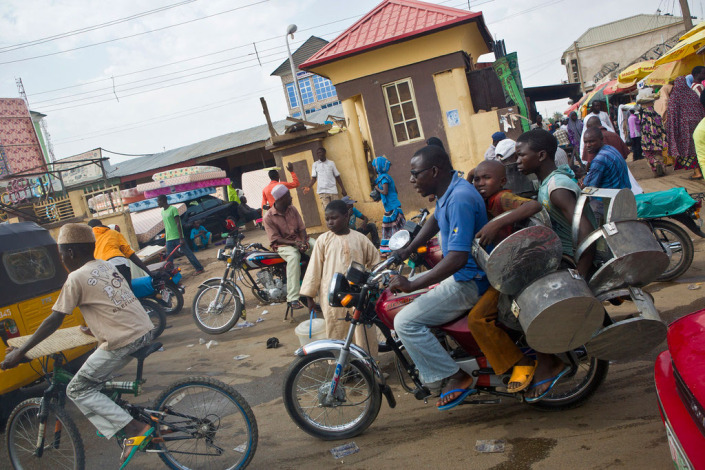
x: 526, y: 452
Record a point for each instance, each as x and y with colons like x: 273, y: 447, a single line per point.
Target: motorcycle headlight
x: 341, y: 293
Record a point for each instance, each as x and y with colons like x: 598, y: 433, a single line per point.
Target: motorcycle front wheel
x: 216, y: 313
x: 306, y: 387
x: 577, y: 386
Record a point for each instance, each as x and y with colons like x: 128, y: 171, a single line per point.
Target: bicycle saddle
x: 145, y: 351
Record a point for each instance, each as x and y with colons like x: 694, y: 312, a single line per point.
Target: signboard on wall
x: 507, y: 69
x: 82, y: 172
x: 21, y: 150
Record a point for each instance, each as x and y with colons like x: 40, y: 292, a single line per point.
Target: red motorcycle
x: 220, y: 302
x: 334, y: 389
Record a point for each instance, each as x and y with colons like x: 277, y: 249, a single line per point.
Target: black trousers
x: 636, y: 148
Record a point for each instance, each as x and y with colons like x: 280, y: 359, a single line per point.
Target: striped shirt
x: 608, y: 170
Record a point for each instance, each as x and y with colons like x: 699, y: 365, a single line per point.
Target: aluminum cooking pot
x: 636, y: 258
x: 558, y: 312
x: 631, y: 337
x: 520, y: 259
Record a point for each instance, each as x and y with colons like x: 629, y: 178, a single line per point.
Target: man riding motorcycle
x: 460, y: 213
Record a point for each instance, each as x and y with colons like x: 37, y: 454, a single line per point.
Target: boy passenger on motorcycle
x: 460, y: 213
x: 489, y: 178
x: 558, y: 193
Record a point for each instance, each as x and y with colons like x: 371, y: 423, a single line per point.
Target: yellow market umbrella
x: 683, y: 49
x: 636, y: 72
x: 669, y: 71
x: 695, y: 29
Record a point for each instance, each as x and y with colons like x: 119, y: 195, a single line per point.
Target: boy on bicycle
x: 114, y: 317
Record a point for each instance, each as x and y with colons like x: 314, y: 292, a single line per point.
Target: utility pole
x: 687, y: 20
x: 580, y: 71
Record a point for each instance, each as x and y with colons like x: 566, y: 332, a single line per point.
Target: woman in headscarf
x: 653, y: 136
x: 575, y: 130
x: 684, y: 114
x: 393, y: 219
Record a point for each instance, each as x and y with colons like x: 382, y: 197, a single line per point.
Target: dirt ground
x: 619, y: 427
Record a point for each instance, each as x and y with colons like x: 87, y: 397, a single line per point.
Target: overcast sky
x: 216, y: 58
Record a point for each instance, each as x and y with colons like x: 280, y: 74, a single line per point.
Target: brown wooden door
x: 308, y: 202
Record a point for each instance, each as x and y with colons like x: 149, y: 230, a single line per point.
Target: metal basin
x: 558, y: 312
x: 627, y: 339
x: 637, y: 257
x: 520, y: 259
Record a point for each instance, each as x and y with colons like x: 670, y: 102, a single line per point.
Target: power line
x: 75, y: 32
x: 133, y: 35
x: 169, y: 117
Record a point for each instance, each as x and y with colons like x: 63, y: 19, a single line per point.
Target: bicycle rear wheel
x: 63, y: 447
x: 207, y: 424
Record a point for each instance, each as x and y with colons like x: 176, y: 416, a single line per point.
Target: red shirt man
x: 267, y: 198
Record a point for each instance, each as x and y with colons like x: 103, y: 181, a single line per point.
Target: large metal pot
x: 520, y: 259
x: 558, y: 312
x: 636, y: 258
x: 631, y: 337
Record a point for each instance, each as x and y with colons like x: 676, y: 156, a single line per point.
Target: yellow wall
x: 461, y: 38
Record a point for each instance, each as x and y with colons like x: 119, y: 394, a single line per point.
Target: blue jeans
x: 171, y: 244
x: 445, y: 303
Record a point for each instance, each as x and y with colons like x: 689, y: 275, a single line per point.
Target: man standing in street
x: 607, y: 170
x: 610, y: 138
x: 326, y: 173
x: 111, y: 246
x: 635, y: 134
x: 267, y: 199
x: 174, y: 232
x: 287, y: 235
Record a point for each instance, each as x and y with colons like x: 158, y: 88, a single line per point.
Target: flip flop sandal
x: 465, y: 392
x: 137, y: 443
x: 552, y: 380
x: 523, y: 374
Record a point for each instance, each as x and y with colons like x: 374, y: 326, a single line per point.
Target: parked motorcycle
x: 676, y: 204
x: 220, y: 302
x: 164, y: 287
x: 334, y: 389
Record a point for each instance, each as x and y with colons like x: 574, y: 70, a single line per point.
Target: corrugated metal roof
x: 211, y: 146
x: 625, y: 27
x: 300, y: 55
x: 391, y: 21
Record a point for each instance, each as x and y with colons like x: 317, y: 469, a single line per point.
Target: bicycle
x: 189, y: 418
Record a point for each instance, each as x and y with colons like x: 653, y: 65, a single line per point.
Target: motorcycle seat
x: 143, y: 352
x: 663, y: 203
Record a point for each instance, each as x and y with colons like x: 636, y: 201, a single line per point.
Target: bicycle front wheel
x: 62, y: 449
x: 207, y: 424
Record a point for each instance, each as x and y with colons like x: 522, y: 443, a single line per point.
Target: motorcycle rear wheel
x: 679, y: 246
x: 310, y: 377
x: 215, y: 314
x: 156, y: 315
x: 576, y: 388
x: 176, y: 299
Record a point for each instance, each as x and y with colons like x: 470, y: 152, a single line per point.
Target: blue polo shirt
x: 460, y: 213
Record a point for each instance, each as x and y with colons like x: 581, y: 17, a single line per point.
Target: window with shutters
x: 402, y: 111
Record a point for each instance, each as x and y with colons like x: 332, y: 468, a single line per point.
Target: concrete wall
x: 623, y: 51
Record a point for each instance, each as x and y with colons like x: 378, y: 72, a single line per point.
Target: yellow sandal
x: 522, y: 374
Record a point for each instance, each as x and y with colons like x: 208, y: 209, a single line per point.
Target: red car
x: 680, y: 386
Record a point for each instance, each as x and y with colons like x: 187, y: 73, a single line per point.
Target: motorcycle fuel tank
x: 263, y: 259
x: 388, y: 304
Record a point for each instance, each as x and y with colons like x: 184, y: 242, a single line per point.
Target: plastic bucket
x: 317, y: 330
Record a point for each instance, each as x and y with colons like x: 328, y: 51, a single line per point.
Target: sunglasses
x: 415, y: 173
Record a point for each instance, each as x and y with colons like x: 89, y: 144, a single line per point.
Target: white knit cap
x: 279, y: 191
x: 75, y: 233
x: 505, y: 149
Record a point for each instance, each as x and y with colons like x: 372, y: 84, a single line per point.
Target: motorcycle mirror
x: 399, y: 240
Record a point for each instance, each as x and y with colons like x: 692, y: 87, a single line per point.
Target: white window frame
x: 389, y: 111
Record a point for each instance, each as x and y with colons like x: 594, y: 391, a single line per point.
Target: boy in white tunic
x: 333, y: 253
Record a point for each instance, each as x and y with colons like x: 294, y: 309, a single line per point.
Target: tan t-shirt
x: 107, y: 303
